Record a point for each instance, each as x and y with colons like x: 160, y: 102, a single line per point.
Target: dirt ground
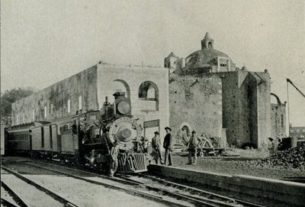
x: 241, y: 165
x: 77, y: 191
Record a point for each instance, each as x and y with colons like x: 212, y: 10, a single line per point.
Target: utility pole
x: 288, y: 109
x: 288, y: 105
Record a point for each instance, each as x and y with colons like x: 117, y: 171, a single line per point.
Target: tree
x: 9, y: 97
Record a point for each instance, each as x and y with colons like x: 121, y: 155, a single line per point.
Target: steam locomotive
x: 106, y: 139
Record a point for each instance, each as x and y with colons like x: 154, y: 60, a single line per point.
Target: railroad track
x: 125, y: 189
x: 194, y: 196
x: 203, y: 198
x: 197, y: 191
x: 60, y: 199
x: 7, y: 203
x: 14, y: 196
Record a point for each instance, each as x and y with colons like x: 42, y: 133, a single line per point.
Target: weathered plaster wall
x: 197, y: 103
x: 55, y: 99
x: 93, y: 85
x: 130, y: 77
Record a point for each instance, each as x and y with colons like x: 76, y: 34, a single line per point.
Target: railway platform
x: 262, y: 191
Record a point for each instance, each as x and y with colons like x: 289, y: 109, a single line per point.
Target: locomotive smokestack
x: 118, y: 94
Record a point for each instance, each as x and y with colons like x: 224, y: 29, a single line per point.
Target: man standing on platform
x: 167, y: 145
x: 156, y: 144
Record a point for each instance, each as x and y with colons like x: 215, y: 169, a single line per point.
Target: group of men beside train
x: 192, y: 144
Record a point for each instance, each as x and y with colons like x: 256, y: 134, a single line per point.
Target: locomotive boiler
x: 105, y: 139
x: 109, y: 139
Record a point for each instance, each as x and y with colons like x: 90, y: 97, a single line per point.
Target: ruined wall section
x: 263, y: 108
x: 278, y: 120
x: 230, y: 107
x: 246, y: 107
x: 197, y: 103
x: 52, y: 102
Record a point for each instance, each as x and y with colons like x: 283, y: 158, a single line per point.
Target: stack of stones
x: 291, y: 158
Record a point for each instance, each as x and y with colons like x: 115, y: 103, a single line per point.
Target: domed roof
x: 206, y: 57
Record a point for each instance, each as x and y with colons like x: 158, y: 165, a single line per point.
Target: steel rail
x: 191, y: 199
x: 196, y: 201
x: 248, y: 204
x: 85, y: 171
x: 57, y: 197
x: 199, y: 191
x: 191, y: 189
x: 120, y: 188
x: 7, y: 203
x: 208, y: 196
x: 14, y: 195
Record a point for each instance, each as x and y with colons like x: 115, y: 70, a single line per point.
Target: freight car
x: 105, y: 139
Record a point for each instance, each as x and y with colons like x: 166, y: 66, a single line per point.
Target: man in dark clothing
x: 167, y: 145
x: 155, y: 143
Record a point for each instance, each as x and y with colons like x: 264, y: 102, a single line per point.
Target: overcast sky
x: 45, y: 41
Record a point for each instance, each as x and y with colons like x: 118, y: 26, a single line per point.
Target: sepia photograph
x: 152, y: 103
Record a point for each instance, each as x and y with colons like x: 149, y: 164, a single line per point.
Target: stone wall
x: 263, y: 108
x: 196, y: 102
x: 278, y: 120
x: 246, y: 107
x: 52, y: 102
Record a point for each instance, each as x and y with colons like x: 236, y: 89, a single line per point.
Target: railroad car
x: 105, y: 139
x: 2, y: 135
x: 18, y: 140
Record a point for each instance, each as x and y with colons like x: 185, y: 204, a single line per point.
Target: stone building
x: 278, y: 118
x: 210, y: 94
x: 146, y: 87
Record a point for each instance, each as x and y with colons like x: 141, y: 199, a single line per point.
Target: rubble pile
x: 291, y: 158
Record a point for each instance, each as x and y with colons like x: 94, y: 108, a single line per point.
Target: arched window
x: 148, y: 91
x: 121, y: 86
